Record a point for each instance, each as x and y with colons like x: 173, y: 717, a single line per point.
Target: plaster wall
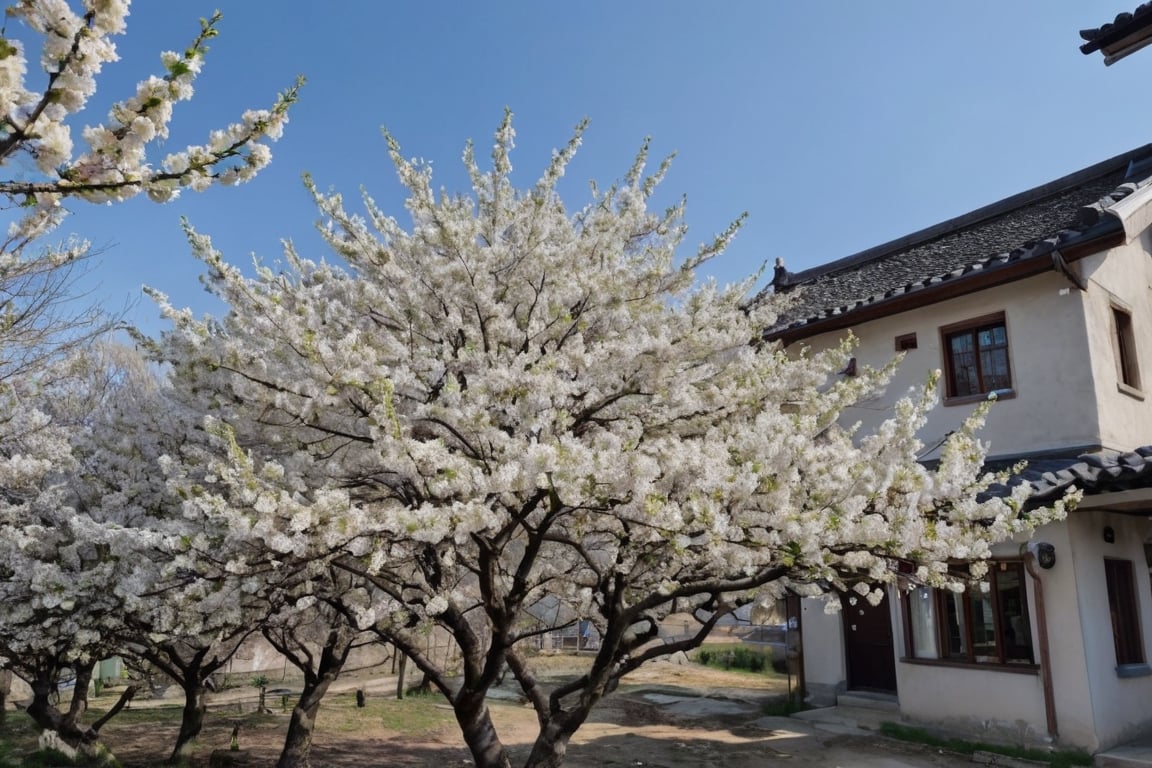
x: 1122, y: 278
x: 1122, y: 705
x: 1048, y: 347
x: 1002, y: 706
x: 825, y: 672
x: 1075, y: 721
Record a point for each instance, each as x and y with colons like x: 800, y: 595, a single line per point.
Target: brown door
x: 868, y: 646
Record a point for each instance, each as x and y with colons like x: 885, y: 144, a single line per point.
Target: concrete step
x: 847, y: 720
x: 1126, y: 756
x: 862, y: 700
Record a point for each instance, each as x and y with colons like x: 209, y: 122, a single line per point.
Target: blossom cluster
x: 115, y: 164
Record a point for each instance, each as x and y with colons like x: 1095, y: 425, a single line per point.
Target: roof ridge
x: 1000, y: 207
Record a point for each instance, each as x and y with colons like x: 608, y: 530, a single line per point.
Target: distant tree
x: 186, y: 628
x: 509, y: 401
x: 60, y: 565
x: 55, y: 601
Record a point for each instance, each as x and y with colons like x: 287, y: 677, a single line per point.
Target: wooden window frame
x: 905, y: 342
x: 940, y: 598
x: 973, y: 326
x: 1124, y: 349
x: 1123, y: 608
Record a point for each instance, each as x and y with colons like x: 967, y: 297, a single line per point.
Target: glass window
x: 1126, y: 365
x: 1122, y: 606
x: 986, y: 624
x: 922, y: 620
x: 976, y: 357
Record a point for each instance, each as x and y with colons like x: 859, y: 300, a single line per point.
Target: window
x: 1122, y: 606
x: 905, y: 342
x: 977, y: 626
x: 976, y: 357
x: 1125, y: 344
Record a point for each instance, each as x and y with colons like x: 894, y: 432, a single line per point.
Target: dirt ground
x: 668, y: 716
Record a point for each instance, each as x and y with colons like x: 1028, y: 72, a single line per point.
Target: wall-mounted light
x: 1044, y: 553
x: 1109, y: 535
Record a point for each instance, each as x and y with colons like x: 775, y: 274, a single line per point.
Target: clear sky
x: 836, y: 125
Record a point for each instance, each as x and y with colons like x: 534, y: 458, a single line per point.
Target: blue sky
x: 836, y: 125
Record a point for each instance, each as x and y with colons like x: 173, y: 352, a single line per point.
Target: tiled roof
x: 1125, y: 34
x: 1027, y: 226
x: 1102, y: 471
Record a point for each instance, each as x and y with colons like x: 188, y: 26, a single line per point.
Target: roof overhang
x: 1137, y: 501
x: 1134, y: 211
x: 1128, y: 34
x: 1110, y: 232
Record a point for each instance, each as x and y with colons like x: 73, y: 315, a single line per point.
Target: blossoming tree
x: 508, y: 402
x: 37, y: 116
x: 186, y: 628
x: 52, y: 573
x: 60, y: 565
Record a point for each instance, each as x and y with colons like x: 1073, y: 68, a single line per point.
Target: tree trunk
x: 192, y: 718
x: 479, y: 733
x: 303, y: 722
x: 48, y: 718
x: 79, y: 703
x: 550, y: 747
x: 5, y: 689
x: 316, y: 683
x: 400, y: 679
x: 423, y: 688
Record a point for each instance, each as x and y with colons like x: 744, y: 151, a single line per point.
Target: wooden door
x: 868, y: 645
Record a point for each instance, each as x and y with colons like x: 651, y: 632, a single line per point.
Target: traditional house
x: 1045, y: 299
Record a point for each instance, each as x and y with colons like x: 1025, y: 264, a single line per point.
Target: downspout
x: 1042, y: 637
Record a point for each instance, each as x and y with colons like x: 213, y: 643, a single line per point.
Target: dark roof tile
x: 1126, y: 33
x: 1029, y: 225
x: 1096, y: 472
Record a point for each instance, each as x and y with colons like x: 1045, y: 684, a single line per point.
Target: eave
x: 1108, y: 233
x: 1127, y: 34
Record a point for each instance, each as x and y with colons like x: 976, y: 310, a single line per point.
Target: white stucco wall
x: 1004, y: 704
x: 823, y: 644
x: 1122, y: 706
x: 1095, y: 707
x: 990, y: 703
x: 1048, y: 346
x: 1121, y: 277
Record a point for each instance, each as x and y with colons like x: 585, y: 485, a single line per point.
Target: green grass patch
x: 415, y: 714
x: 17, y: 735
x: 168, y: 714
x: 735, y: 656
x: 47, y: 758
x: 1064, y: 758
x: 8, y: 755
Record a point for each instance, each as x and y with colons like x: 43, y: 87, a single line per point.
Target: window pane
x: 983, y: 626
x: 1122, y: 606
x: 1013, y: 601
x: 978, y: 360
x: 965, y: 380
x: 956, y: 635
x: 922, y: 614
x: 994, y: 365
